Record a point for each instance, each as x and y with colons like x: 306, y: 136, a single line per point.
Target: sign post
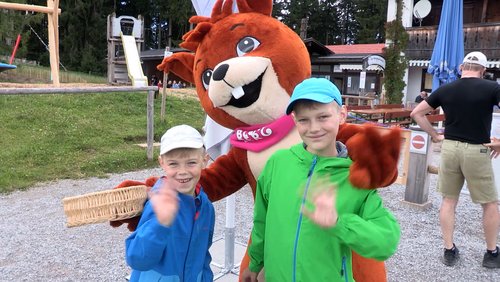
x: 417, y: 185
x: 362, y: 81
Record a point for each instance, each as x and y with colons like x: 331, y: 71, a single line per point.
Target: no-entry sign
x: 418, y: 142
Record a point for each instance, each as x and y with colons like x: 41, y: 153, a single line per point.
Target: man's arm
x: 418, y: 114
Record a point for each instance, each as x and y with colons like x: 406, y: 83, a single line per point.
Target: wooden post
x: 150, y: 124
x: 55, y: 16
x: 417, y: 185
x: 303, y: 28
x: 483, y: 14
x: 53, y: 44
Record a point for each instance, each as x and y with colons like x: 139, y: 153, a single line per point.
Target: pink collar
x: 256, y: 138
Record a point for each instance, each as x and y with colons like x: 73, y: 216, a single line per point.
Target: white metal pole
x: 229, y: 233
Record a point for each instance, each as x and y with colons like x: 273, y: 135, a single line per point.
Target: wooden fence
x: 150, y: 101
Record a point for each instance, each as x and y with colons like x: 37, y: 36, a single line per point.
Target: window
x: 321, y: 76
x: 426, y: 81
x: 353, y: 84
x: 321, y: 68
x: 325, y: 68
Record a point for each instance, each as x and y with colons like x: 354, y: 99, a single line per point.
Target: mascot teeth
x: 238, y: 92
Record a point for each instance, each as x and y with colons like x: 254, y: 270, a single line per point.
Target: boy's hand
x: 324, y: 196
x: 249, y: 276
x: 164, y: 202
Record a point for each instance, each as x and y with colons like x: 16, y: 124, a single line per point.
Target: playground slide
x: 134, y: 67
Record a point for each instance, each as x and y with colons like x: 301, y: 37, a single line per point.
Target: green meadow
x: 50, y: 137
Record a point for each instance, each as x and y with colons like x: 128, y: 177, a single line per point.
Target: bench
x: 400, y: 119
x: 353, y: 117
x: 387, y: 106
x: 435, y: 119
x: 349, y: 100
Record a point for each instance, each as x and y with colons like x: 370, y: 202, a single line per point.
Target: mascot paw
x: 132, y: 222
x: 375, y: 155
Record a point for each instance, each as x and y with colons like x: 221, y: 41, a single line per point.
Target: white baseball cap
x: 180, y: 136
x: 476, y: 57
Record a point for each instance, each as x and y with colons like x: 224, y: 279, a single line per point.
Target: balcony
x: 477, y: 37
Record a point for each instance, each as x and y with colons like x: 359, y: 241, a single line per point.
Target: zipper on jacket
x: 299, y: 222
x: 189, y: 242
x: 343, y: 272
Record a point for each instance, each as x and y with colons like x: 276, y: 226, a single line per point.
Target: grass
x: 49, y: 137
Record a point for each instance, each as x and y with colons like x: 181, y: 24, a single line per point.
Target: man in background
x: 468, y: 105
x: 422, y: 96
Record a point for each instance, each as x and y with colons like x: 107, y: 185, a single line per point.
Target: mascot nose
x: 220, y: 72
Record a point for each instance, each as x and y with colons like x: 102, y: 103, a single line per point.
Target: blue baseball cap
x: 319, y: 90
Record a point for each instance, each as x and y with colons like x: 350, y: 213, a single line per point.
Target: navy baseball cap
x: 319, y: 90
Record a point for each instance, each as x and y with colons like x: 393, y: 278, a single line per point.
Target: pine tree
x: 371, y: 17
x: 82, y: 34
x: 347, y: 24
x: 396, y: 64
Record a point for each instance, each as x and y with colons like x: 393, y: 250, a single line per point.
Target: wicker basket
x: 109, y: 205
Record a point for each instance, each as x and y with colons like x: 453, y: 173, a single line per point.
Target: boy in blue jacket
x: 175, y: 231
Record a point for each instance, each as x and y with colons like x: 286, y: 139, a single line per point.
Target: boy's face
x: 184, y: 168
x: 318, y: 125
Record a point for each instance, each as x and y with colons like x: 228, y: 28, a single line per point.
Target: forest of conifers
x: 82, y: 26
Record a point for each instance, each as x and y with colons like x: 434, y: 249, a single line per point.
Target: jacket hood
x: 342, y: 159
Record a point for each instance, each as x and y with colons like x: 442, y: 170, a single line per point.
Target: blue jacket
x: 175, y: 253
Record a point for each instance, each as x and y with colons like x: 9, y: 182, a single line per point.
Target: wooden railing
x: 74, y: 90
x: 482, y: 37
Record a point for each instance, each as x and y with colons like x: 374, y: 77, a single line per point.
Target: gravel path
x: 35, y: 245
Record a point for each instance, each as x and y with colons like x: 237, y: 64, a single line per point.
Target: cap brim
x: 184, y: 144
x: 316, y: 98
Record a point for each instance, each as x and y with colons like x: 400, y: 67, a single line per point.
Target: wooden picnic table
x: 381, y: 113
x: 357, y: 100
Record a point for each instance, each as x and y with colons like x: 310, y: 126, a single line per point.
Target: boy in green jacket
x: 307, y: 216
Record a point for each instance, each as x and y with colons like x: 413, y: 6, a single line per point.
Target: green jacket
x: 320, y: 254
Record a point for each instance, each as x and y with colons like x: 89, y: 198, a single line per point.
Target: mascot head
x: 245, y: 65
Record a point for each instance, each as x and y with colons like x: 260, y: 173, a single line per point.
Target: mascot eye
x: 206, y: 76
x: 247, y: 44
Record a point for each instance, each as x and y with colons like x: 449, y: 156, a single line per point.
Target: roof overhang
x: 158, y: 54
x: 425, y: 63
x: 359, y: 67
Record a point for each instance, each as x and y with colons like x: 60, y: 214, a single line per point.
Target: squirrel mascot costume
x: 245, y: 66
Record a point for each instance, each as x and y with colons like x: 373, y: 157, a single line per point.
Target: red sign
x: 418, y: 142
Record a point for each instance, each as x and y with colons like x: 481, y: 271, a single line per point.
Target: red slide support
x: 15, y: 49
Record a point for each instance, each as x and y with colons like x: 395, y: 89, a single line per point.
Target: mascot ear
x: 257, y: 6
x: 179, y: 63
